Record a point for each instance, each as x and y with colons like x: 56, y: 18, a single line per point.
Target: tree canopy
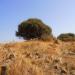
x: 33, y: 28
x: 66, y: 37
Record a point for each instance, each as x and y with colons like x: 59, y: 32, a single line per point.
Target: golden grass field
x: 38, y: 58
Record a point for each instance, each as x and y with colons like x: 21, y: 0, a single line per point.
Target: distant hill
x: 38, y: 58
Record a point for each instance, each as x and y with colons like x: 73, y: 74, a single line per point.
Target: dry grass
x: 37, y: 58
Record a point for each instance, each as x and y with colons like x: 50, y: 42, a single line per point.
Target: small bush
x: 33, y: 28
x: 66, y: 37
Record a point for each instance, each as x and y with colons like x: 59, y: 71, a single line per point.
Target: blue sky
x: 58, y: 14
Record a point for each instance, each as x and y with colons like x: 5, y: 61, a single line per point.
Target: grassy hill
x: 38, y: 58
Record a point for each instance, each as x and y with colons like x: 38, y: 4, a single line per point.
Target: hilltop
x: 38, y: 58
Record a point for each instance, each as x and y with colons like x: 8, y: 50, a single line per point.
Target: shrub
x: 66, y: 37
x: 33, y: 28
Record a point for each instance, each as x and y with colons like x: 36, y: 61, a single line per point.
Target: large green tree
x: 33, y: 28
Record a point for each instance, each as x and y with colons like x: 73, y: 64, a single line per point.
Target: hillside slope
x: 38, y: 58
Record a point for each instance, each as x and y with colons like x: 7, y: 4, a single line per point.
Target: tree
x: 33, y: 28
x: 66, y: 37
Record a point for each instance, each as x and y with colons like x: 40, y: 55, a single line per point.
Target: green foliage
x: 33, y: 28
x: 66, y: 37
